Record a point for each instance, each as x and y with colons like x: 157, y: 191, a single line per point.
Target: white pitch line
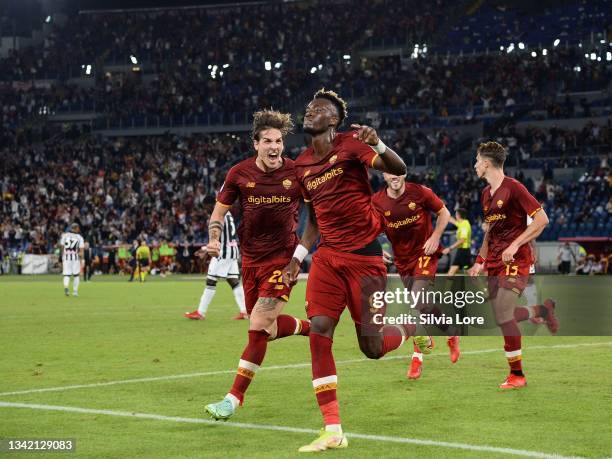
x: 275, y: 367
x: 241, y: 425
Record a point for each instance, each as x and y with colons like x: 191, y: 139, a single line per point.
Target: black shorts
x: 143, y: 263
x: 463, y: 258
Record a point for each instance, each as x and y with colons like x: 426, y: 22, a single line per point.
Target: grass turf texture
x: 116, y: 330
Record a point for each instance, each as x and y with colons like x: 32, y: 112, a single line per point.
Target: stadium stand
x: 81, y: 142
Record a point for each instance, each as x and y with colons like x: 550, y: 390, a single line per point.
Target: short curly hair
x: 271, y: 119
x: 494, y: 152
x: 338, y: 102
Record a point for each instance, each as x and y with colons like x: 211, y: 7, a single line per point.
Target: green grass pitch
x: 117, y: 331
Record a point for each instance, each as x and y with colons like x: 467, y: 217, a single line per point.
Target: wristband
x: 480, y: 260
x: 379, y: 148
x: 300, y: 252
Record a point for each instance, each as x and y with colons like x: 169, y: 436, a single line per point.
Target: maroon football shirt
x: 270, y: 202
x: 408, y: 219
x: 505, y: 212
x: 340, y: 192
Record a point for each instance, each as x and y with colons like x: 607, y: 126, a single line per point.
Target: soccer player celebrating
x: 224, y: 266
x: 269, y: 194
x: 406, y: 208
x: 72, y: 246
x: 347, y: 267
x: 506, y: 252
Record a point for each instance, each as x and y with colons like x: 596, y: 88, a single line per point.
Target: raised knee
x: 371, y: 352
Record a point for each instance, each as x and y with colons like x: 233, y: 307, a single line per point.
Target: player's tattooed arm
x: 215, y: 226
x: 311, y: 234
x: 387, y: 160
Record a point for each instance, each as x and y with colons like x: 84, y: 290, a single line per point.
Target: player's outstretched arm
x: 540, y: 220
x: 387, y: 160
x: 311, y: 234
x: 215, y: 226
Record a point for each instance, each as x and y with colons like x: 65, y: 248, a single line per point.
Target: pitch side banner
x: 540, y: 304
x: 35, y: 264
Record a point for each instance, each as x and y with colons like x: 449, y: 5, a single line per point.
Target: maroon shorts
x: 264, y: 281
x: 338, y: 280
x: 424, y: 266
x: 513, y: 276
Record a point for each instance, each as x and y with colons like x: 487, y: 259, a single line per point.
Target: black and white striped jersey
x: 71, y: 244
x: 229, y: 240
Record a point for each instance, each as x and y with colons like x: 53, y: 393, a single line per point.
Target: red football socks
x: 324, y: 379
x: 512, y: 346
x: 393, y: 337
x: 249, y: 363
x: 289, y: 326
x: 529, y: 312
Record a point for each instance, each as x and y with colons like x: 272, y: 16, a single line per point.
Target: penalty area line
x: 278, y: 367
x: 241, y: 425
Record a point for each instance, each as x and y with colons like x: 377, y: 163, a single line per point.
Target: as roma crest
x: 412, y: 206
x: 287, y: 184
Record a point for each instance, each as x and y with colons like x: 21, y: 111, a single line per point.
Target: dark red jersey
x: 270, y: 202
x: 340, y: 192
x: 408, y: 219
x: 505, y: 212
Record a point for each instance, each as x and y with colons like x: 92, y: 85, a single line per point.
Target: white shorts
x: 223, y: 267
x: 71, y: 268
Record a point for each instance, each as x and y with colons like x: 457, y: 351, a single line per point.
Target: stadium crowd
x: 118, y: 190
x: 162, y: 188
x: 453, y: 90
x: 242, y: 36
x: 188, y: 85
